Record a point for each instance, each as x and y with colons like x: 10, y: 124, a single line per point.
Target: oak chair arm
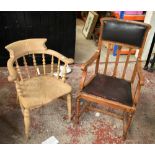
x: 84, y: 69
x: 90, y: 61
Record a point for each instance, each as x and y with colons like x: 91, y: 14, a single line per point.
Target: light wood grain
x: 37, y: 90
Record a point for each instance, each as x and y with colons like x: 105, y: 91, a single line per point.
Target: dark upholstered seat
x: 110, y: 88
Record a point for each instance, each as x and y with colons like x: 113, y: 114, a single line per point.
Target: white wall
x: 150, y: 19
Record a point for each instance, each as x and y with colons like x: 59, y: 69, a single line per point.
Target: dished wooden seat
x: 41, y: 90
x: 111, y: 88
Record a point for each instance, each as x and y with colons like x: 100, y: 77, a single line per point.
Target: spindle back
x: 30, y: 49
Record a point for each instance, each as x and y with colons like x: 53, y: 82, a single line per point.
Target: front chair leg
x: 77, y: 110
x: 27, y: 122
x: 69, y: 106
x: 127, y: 125
x: 17, y: 99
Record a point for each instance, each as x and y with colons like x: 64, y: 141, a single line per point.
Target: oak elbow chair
x: 35, y: 89
x: 113, y: 91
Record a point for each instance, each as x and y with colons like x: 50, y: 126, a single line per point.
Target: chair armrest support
x: 90, y: 61
x: 139, y: 72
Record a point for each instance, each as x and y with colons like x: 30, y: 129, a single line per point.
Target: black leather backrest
x: 123, y: 32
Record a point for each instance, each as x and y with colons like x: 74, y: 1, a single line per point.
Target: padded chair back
x: 124, y: 32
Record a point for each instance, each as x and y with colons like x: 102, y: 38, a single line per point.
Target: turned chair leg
x: 126, y: 125
x: 77, y: 110
x: 22, y: 108
x: 69, y: 106
x: 27, y: 122
x: 17, y: 99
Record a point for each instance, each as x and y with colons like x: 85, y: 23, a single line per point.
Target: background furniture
x: 59, y: 27
x: 131, y: 15
x: 128, y: 15
x: 37, y: 86
x: 115, y: 91
x: 146, y: 67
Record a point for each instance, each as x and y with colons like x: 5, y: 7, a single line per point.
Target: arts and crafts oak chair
x: 38, y: 88
x: 114, y: 91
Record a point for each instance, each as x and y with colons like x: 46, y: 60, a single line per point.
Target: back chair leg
x: 27, y: 122
x: 22, y: 108
x: 17, y: 99
x: 127, y: 124
x: 69, y: 106
x: 77, y: 109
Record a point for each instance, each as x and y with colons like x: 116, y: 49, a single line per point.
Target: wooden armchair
x: 114, y: 91
x: 35, y: 89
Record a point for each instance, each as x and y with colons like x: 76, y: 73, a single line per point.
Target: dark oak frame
x: 128, y: 111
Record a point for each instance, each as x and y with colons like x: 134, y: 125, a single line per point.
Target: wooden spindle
x: 26, y: 67
x: 52, y: 65
x: 137, y: 93
x: 18, y: 71
x: 107, y: 58
x: 19, y: 88
x: 64, y: 73
x: 58, y: 69
x: 44, y: 63
x: 35, y: 63
x: 134, y: 72
x: 116, y: 62
x: 126, y: 63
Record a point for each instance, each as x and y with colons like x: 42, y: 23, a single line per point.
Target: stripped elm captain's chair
x: 40, y: 88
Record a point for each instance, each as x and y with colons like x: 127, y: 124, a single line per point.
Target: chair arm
x: 90, y: 61
x: 139, y: 72
x: 60, y: 56
x: 12, y: 72
x: 84, y: 69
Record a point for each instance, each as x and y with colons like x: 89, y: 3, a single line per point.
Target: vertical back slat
x: 35, y: 63
x: 44, y: 63
x: 19, y: 88
x: 18, y: 70
x: 134, y: 72
x: 137, y: 93
x: 64, y: 73
x: 107, y: 58
x: 52, y: 65
x: 116, y: 62
x: 126, y: 63
x: 26, y: 67
x: 58, y: 68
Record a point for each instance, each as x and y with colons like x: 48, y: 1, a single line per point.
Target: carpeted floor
x: 50, y: 120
